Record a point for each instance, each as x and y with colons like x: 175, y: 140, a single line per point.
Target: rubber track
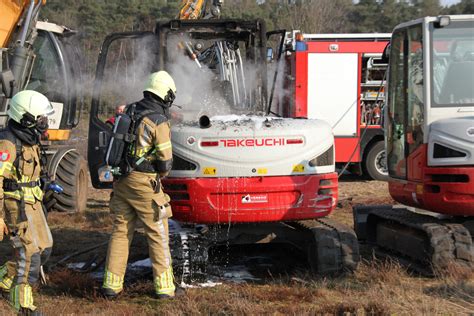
x: 449, y: 242
x: 335, y: 248
x: 190, y: 255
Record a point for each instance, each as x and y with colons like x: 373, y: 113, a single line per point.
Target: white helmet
x: 27, y: 106
x: 161, y: 84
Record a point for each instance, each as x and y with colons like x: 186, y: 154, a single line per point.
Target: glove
x: 3, y: 229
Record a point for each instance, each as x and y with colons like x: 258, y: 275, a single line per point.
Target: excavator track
x: 334, y: 248
x: 189, y: 250
x: 331, y: 247
x: 430, y: 242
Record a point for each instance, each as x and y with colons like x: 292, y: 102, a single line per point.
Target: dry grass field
x: 378, y: 287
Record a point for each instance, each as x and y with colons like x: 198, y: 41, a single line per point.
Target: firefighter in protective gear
x: 139, y: 195
x: 21, y: 197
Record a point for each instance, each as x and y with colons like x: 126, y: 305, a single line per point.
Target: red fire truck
x: 339, y: 78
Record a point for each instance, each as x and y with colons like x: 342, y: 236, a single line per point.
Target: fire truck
x: 339, y: 78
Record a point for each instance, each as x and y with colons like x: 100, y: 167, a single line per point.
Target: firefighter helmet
x: 27, y: 106
x: 162, y: 85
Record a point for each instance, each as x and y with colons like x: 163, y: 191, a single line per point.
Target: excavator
x: 240, y: 176
x: 429, y: 134
x: 40, y: 56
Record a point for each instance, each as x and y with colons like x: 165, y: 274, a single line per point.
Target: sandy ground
x: 378, y: 287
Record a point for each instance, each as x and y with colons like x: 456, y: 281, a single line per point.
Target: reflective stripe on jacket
x: 154, y: 141
x: 29, y: 170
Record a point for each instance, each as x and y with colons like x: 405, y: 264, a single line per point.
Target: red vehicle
x: 339, y: 78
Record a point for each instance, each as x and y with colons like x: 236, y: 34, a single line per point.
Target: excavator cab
x: 126, y: 60
x: 429, y: 134
x: 55, y: 73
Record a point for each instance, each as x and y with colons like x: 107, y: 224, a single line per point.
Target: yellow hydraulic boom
x: 11, y: 12
x: 196, y: 9
x: 191, y: 9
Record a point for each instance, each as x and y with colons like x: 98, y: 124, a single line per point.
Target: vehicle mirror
x: 269, y: 54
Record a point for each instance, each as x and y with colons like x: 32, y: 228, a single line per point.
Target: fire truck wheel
x: 375, y: 163
x: 71, y: 174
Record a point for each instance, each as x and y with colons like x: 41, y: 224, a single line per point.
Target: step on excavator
x: 429, y: 134
x: 240, y: 176
x: 41, y: 56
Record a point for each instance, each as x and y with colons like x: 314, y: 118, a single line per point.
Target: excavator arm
x: 196, y: 9
x: 11, y: 13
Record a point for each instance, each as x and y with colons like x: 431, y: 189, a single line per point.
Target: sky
x: 449, y: 2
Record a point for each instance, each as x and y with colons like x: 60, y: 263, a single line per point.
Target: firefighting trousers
x: 135, y: 198
x: 32, y: 243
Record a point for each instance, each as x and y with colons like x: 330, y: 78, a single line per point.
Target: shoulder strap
x: 139, y: 118
x: 16, y: 163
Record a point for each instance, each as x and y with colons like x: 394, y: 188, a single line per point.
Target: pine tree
x: 427, y: 7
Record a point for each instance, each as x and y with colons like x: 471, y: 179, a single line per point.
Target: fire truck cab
x: 339, y: 78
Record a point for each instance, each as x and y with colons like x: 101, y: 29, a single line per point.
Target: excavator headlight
x: 325, y: 159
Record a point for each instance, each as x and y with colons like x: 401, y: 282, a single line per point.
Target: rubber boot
x: 109, y: 294
x: 29, y: 312
x: 177, y: 293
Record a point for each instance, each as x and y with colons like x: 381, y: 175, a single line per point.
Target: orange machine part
x: 59, y: 134
x: 11, y: 11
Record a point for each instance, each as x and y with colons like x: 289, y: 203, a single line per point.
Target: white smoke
x: 129, y: 64
x: 201, y: 90
x: 198, y: 87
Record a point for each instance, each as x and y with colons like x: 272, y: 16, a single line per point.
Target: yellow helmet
x: 31, y: 104
x: 162, y: 85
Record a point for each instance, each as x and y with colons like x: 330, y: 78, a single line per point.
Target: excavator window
x: 397, y: 109
x: 452, y: 62
x: 406, y: 98
x: 415, y: 89
x: 47, y: 75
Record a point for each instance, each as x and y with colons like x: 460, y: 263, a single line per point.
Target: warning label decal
x: 298, y: 168
x: 255, y: 198
x: 209, y: 171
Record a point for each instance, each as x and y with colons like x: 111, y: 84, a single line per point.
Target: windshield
x: 453, y: 65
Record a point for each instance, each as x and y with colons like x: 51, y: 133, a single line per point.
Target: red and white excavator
x: 249, y: 176
x: 429, y: 133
